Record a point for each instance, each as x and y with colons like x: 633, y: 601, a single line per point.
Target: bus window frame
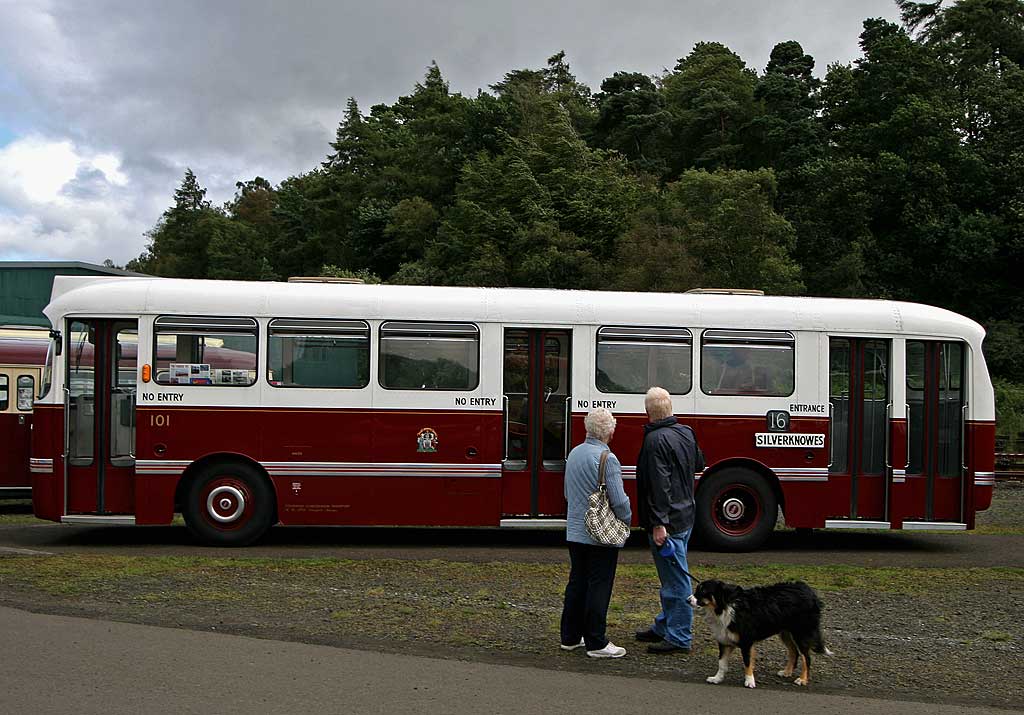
x: 639, y: 338
x: 294, y: 332
x: 32, y: 392
x: 199, y: 328
x: 749, y: 338
x: 382, y: 328
x: 46, y: 376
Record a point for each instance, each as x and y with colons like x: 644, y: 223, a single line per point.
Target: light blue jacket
x: 581, y: 481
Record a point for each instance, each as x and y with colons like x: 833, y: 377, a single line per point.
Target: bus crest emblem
x: 426, y: 440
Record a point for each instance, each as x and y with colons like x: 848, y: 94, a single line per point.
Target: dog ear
x: 720, y: 595
x: 730, y: 592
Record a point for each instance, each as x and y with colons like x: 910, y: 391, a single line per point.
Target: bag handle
x: 600, y: 469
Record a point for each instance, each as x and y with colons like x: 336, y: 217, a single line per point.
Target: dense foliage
x: 899, y: 175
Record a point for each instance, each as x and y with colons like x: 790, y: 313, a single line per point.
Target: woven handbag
x: 602, y: 524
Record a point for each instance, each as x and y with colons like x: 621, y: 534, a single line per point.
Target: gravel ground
x: 932, y: 634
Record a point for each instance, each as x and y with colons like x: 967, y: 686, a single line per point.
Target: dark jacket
x: 668, y: 460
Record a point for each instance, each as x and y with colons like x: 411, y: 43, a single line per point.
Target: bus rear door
x: 537, y: 396
x: 936, y: 405
x: 99, y: 412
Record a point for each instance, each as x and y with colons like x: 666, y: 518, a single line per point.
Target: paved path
x: 56, y: 664
x: 890, y: 548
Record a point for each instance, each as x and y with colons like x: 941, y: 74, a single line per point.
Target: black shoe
x: 647, y: 636
x: 664, y: 647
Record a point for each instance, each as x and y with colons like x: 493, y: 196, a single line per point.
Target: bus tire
x: 736, y: 510
x: 229, y: 504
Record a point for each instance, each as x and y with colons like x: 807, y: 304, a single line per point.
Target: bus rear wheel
x: 229, y: 504
x: 736, y: 510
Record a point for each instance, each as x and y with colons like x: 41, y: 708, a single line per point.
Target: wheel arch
x: 198, y: 466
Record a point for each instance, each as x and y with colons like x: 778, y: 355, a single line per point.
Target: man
x: 668, y: 459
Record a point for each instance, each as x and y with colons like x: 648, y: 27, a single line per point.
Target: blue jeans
x: 675, y: 622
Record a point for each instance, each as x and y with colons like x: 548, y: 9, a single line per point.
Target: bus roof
x: 105, y: 296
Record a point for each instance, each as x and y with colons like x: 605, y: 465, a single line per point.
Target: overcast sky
x: 104, y: 104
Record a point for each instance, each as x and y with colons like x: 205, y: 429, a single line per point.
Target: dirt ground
x: 928, y: 633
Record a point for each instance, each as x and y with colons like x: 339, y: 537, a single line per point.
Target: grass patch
x: 18, y: 512
x: 997, y: 636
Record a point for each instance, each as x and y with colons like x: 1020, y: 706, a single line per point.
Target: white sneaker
x: 563, y: 646
x: 609, y: 651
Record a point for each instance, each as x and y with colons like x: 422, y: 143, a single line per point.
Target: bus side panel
x: 185, y: 433
x: 392, y: 482
x: 14, y: 434
x: 178, y: 436
x: 48, y: 462
x: 154, y: 498
x: 808, y: 495
x: 981, y: 458
x: 315, y: 435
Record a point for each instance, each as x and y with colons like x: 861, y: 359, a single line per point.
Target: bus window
x: 47, y: 378
x: 631, y: 360
x: 5, y: 383
x: 198, y: 350
x: 124, y: 383
x: 26, y: 391
x: 429, y: 356
x: 81, y: 394
x: 318, y: 353
x: 747, y: 362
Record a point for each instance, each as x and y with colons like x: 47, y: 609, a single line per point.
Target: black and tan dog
x: 739, y: 617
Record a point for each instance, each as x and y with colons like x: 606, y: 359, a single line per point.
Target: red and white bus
x: 22, y: 355
x: 252, y: 404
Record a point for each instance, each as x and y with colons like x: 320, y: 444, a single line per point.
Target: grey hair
x: 600, y: 424
x: 658, y: 403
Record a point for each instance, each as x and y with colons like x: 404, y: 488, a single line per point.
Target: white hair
x: 600, y: 424
x: 658, y: 404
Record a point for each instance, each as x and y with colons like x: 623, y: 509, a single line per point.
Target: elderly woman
x: 592, y: 570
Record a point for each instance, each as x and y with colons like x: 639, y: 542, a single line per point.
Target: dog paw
x: 799, y: 681
x: 785, y: 672
x: 714, y: 679
x: 748, y: 682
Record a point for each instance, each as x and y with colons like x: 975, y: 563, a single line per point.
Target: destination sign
x: 788, y: 439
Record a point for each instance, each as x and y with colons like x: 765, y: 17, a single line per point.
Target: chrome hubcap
x: 225, y: 504
x: 733, y: 508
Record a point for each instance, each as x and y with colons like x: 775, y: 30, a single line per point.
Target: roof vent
x: 323, y: 279
x: 727, y: 291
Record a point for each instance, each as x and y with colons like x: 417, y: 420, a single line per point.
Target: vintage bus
x: 252, y: 404
x: 22, y: 355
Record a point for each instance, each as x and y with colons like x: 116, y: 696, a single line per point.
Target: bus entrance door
x: 860, y: 403
x: 936, y: 402
x: 17, y: 391
x: 536, y: 385
x: 99, y: 415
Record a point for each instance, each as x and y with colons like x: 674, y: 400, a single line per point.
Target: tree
x: 571, y: 94
x: 830, y: 203
x: 236, y: 251
x: 711, y: 96
x: 632, y: 120
x: 786, y: 132
x: 715, y: 229
x: 178, y: 243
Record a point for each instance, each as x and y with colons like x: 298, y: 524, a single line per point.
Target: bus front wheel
x: 229, y: 504
x: 736, y: 510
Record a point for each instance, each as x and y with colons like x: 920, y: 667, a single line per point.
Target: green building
x: 25, y: 287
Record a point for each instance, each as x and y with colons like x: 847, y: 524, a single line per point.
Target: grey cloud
x: 89, y: 183
x: 235, y: 89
